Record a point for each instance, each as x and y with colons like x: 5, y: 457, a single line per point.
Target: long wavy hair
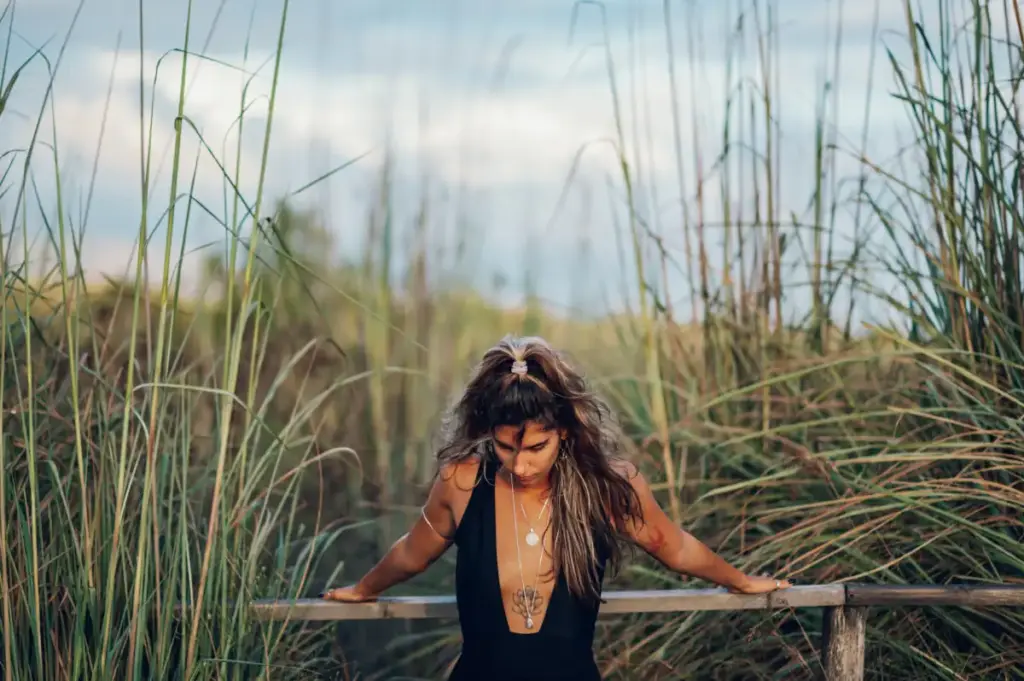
x: 592, y: 500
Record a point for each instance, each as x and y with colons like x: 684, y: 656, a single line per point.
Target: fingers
x: 775, y: 582
x: 761, y: 584
x: 767, y: 584
x: 346, y: 594
x: 333, y: 595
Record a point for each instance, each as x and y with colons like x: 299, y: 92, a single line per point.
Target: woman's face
x: 531, y: 460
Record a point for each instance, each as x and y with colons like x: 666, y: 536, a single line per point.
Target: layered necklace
x: 532, y: 539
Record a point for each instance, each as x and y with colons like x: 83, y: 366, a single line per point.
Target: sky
x: 501, y: 116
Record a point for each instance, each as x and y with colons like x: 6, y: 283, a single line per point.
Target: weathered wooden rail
x: 845, y: 610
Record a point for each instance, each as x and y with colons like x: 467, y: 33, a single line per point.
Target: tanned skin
x: 528, y: 468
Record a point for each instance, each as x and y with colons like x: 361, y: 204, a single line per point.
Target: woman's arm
x: 680, y: 551
x: 429, y: 537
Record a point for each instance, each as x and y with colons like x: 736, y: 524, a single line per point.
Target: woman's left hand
x: 760, y: 585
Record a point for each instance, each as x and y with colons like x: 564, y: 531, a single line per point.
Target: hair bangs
x: 519, y: 402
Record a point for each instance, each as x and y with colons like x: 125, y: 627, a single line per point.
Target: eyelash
x: 532, y: 450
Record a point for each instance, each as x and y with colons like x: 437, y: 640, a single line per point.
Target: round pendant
x: 529, y: 623
x: 532, y: 539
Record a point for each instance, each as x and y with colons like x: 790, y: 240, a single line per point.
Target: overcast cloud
x: 497, y: 104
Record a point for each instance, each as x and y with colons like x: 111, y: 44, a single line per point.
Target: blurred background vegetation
x: 167, y: 456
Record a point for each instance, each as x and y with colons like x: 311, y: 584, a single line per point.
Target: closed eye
x: 505, y: 447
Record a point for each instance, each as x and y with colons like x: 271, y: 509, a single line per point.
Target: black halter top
x: 561, y: 650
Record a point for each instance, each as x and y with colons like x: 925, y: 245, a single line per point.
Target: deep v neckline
x: 497, y: 568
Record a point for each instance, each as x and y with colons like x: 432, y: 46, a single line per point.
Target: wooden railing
x: 845, y: 610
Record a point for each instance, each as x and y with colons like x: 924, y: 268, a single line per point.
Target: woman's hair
x: 592, y: 499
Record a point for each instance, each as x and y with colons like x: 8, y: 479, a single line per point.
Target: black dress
x: 562, y: 650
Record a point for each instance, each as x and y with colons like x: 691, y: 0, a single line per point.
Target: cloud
x: 484, y: 137
x: 526, y: 125
x: 487, y: 138
x: 498, y: 118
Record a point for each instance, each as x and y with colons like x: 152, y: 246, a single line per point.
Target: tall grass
x: 164, y: 461
x: 133, y: 542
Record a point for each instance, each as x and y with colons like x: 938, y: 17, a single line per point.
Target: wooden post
x: 842, y: 647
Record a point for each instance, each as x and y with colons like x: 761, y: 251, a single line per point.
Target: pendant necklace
x: 532, y: 538
x: 529, y: 595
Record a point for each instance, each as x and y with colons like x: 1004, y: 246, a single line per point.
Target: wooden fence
x: 845, y: 610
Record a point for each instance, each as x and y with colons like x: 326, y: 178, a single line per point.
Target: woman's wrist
x: 365, y: 590
x: 739, y: 582
x: 382, y: 577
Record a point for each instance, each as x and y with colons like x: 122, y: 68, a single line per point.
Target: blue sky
x: 491, y: 101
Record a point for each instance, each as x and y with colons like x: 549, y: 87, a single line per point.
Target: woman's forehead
x: 531, y: 432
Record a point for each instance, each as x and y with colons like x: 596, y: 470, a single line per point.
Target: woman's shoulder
x: 631, y: 474
x: 460, y: 476
x: 625, y: 468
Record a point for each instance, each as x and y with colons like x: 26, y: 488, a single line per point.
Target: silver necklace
x: 529, y: 595
x: 532, y: 538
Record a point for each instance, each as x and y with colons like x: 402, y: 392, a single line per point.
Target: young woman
x: 534, y: 489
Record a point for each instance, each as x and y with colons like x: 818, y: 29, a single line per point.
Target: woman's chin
x: 532, y: 481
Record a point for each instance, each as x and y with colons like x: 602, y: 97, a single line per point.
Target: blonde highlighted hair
x: 520, y: 380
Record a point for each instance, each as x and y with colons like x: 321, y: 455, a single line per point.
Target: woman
x: 534, y: 489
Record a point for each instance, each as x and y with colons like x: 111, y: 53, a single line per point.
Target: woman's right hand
x: 347, y: 594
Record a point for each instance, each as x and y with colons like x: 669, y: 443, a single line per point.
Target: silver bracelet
x: 423, y: 512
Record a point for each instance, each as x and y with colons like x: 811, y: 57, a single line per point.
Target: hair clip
x: 519, y: 367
